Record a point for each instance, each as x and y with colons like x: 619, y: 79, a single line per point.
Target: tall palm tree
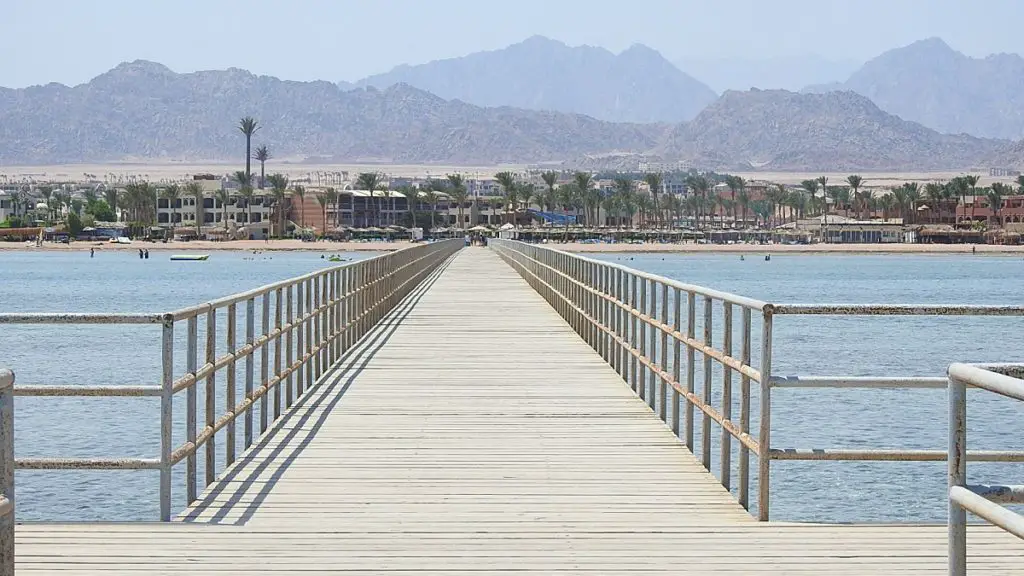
x: 550, y: 178
x: 743, y: 199
x: 332, y: 200
x: 368, y: 181
x: 1020, y: 184
x: 855, y: 182
x: 248, y: 126
x: 246, y: 192
x: 410, y: 194
x: 701, y: 186
x: 994, y: 195
x: 262, y: 155
x: 913, y: 195
x: 299, y: 191
x: 625, y: 192
x: 584, y: 182
x: 934, y: 193
x: 171, y: 193
x: 195, y: 190
x: 321, y: 199
x: 972, y: 181
x: 110, y: 197
x: 278, y: 186
x: 430, y: 196
x: 524, y: 195
x: 655, y: 181
x: 507, y: 181
x: 224, y: 197
x: 458, y: 193
x: 735, y: 184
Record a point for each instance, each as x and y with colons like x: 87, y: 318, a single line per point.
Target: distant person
x: 141, y: 256
x: 147, y: 254
x: 92, y: 252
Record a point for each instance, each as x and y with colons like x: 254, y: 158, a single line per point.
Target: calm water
x: 867, y: 346
x: 851, y: 491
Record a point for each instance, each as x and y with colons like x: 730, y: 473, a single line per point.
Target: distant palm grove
x: 244, y: 204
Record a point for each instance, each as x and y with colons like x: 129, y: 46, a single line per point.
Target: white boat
x: 190, y: 257
x: 121, y: 240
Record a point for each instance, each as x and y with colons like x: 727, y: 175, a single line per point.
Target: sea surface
x: 808, y: 491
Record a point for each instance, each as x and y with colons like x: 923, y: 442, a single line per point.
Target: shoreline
x: 575, y: 247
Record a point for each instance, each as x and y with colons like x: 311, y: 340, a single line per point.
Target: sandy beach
x: 201, y: 246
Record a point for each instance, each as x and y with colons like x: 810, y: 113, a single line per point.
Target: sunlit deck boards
x: 475, y: 432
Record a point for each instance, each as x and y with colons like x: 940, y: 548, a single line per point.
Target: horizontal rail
x: 890, y: 455
x: 990, y: 511
x: 895, y: 310
x: 82, y: 391
x: 999, y: 493
x: 60, y: 318
x: 857, y: 382
x: 87, y: 463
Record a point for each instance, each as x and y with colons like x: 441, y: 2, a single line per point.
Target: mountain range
x: 637, y: 85
x: 931, y: 83
x: 780, y: 72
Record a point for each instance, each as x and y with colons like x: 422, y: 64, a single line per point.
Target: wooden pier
x: 472, y: 430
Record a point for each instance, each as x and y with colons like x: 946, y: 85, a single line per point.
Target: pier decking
x: 473, y: 431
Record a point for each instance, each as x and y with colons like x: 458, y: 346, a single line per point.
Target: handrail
x: 625, y: 315
x: 306, y: 324
x: 6, y: 473
x: 963, y: 498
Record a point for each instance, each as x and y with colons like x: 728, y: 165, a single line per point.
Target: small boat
x: 335, y: 259
x: 190, y: 257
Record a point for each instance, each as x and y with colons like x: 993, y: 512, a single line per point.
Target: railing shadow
x: 331, y: 387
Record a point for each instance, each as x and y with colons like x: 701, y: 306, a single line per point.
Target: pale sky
x: 71, y: 41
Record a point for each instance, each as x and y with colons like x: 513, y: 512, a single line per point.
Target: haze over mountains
x: 538, y: 100
x: 784, y: 72
x: 637, y: 85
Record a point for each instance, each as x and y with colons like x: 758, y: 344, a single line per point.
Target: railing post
x: 705, y: 421
x: 7, y: 520
x: 211, y: 395
x: 691, y: 331
x: 289, y: 345
x: 957, y: 476
x: 250, y: 338
x: 660, y: 381
x: 634, y: 333
x: 264, y: 361
x: 300, y: 349
x: 166, y: 420
x: 744, y: 495
x: 726, y: 442
x: 643, y: 325
x: 312, y: 318
x: 764, y: 438
x: 677, y: 325
x: 192, y: 365
x: 229, y: 392
x: 277, y: 353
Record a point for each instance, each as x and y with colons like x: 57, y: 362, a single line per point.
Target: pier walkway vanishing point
x: 472, y: 430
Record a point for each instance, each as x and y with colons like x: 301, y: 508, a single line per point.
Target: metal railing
x: 635, y: 321
x: 305, y: 325
x: 982, y: 500
x: 6, y: 473
x: 634, y: 318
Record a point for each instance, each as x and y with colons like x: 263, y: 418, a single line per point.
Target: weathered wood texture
x: 473, y: 431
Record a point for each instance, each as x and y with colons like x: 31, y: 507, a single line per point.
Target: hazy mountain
x: 930, y: 83
x: 786, y: 72
x: 638, y: 85
x: 780, y: 130
x: 143, y: 109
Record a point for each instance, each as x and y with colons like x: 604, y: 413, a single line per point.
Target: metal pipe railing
x: 963, y: 498
x: 634, y: 320
x: 317, y: 318
x: 6, y: 473
x: 616, y: 304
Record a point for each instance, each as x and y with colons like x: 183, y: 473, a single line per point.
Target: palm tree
x: 110, y: 197
x: 735, y: 184
x: 743, y: 199
x: 525, y: 194
x: 1020, y: 184
x: 934, y: 193
x: 262, y: 155
x: 507, y: 180
x: 855, y: 181
x: 224, y: 197
x: 322, y: 200
x: 368, y: 181
x: 972, y: 181
x: 994, y: 195
x: 960, y: 188
x: 430, y: 196
x: 410, y: 202
x: 913, y: 195
x: 278, y: 186
x: 655, y: 181
x: 195, y: 190
x: 332, y: 200
x: 701, y: 186
x: 172, y: 193
x: 248, y: 126
x: 610, y: 203
x: 246, y: 192
x: 458, y: 193
x: 549, y: 178
x: 584, y: 182
x: 300, y: 192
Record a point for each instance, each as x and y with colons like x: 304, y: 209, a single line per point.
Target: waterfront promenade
x: 473, y: 430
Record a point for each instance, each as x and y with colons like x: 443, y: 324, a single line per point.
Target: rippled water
x: 824, y: 491
x: 870, y: 346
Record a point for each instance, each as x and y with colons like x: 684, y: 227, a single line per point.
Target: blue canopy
x: 553, y: 217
